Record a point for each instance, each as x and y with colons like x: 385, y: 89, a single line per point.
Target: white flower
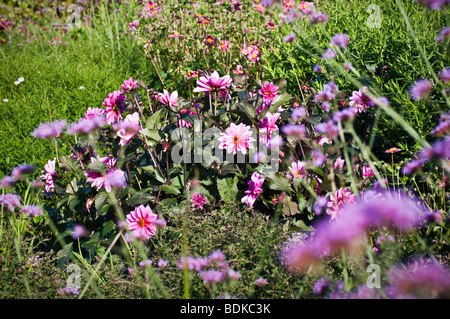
x: 19, y: 80
x: 6, y: 100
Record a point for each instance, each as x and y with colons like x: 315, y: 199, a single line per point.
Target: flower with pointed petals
x: 129, y: 86
x: 198, y: 201
x: 214, y: 84
x: 49, y: 175
x: 239, y: 70
x: 254, y: 189
x: 128, y: 128
x: 360, y: 100
x: 338, y: 200
x: 266, y: 126
x: 141, y: 221
x: 114, y: 106
x: 92, y: 112
x: 237, y: 138
x: 224, y: 45
x: 297, y: 170
x: 168, y: 99
x: 269, y: 91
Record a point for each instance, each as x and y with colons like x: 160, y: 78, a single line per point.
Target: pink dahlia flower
x: 269, y: 91
x: 338, y: 200
x: 360, y: 100
x: 198, y: 201
x: 237, y: 138
x: 224, y: 45
x: 266, y: 126
x: 141, y: 221
x: 214, y: 84
x: 114, y: 106
x: 254, y: 189
x: 98, y: 179
x: 297, y: 170
x: 129, y: 86
x: 168, y: 99
x: 128, y: 128
x: 92, y: 112
x: 49, y: 175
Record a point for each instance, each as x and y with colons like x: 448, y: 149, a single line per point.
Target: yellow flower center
x: 141, y: 222
x: 236, y: 140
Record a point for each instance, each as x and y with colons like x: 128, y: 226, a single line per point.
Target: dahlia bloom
x: 239, y: 70
x: 297, y: 170
x: 49, y: 175
x: 198, y: 201
x: 224, y: 45
x: 129, y: 86
x: 209, y: 41
x: 114, y: 106
x: 360, y: 101
x: 266, y: 126
x: 339, y: 162
x: 128, y: 128
x: 168, y: 99
x: 288, y: 5
x: 254, y: 189
x: 269, y: 92
x: 237, y: 138
x: 214, y: 84
x: 141, y: 221
x: 92, y: 112
x: 338, y: 200
x: 306, y: 7
x: 48, y: 130
x: 107, y: 179
x: 367, y: 172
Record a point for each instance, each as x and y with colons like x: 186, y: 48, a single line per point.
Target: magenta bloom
x: 168, y: 99
x: 129, y: 86
x: 214, y: 84
x: 209, y: 41
x: 48, y: 130
x: 306, y: 7
x: 141, y: 221
x: 337, y: 201
x: 254, y: 189
x: 94, y: 112
x: 99, y: 179
x: 420, y: 89
x: 367, y: 172
x: 239, y: 70
x: 269, y: 92
x: 266, y: 126
x: 261, y: 282
x: 127, y: 129
x: 297, y: 170
x: 198, y: 201
x: 339, y: 162
x: 360, y: 101
x: 237, y: 138
x: 213, y: 276
x: 224, y: 45
x: 114, y: 106
x: 49, y: 175
x: 443, y: 127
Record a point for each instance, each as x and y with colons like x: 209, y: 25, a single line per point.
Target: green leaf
x: 248, y: 109
x: 97, y: 166
x: 140, y: 198
x: 228, y: 190
x: 170, y: 190
x: 154, y: 121
x: 277, y: 102
x: 107, y: 227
